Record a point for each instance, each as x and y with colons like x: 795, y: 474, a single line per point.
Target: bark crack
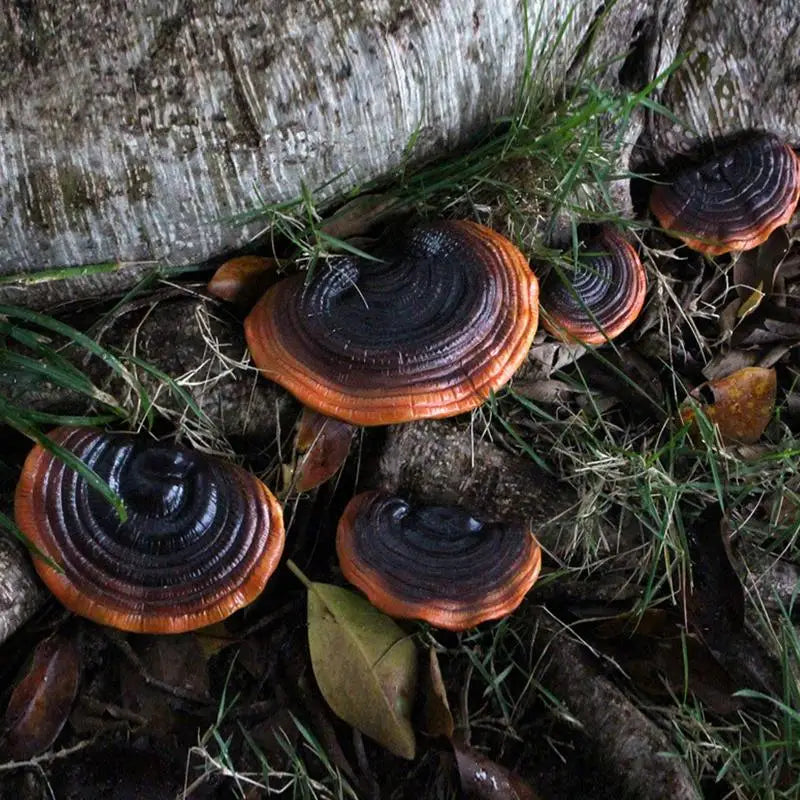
x: 250, y: 126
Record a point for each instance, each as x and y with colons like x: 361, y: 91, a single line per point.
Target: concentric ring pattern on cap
x: 201, y: 539
x: 734, y: 201
x: 428, y: 331
x: 601, y: 297
x: 436, y: 563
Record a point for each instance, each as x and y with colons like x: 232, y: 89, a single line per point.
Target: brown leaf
x: 546, y: 391
x: 176, y: 661
x: 653, y: 649
x: 723, y: 364
x: 545, y: 358
x: 41, y: 702
x: 326, y: 444
x: 743, y: 404
x: 243, y: 280
x: 213, y: 639
x: 715, y: 607
x: 438, y: 718
x: 754, y: 270
x: 485, y: 779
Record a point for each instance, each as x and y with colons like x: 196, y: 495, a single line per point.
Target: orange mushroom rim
x: 202, y: 538
x: 435, y: 563
x: 602, y: 298
x: 428, y: 330
x: 734, y: 201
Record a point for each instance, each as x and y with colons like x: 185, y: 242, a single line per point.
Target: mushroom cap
x: 201, y: 539
x: 435, y: 563
x: 606, y: 294
x: 242, y: 280
x: 426, y: 332
x: 735, y: 200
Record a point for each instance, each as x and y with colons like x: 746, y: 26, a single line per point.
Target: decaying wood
x: 629, y: 745
x: 200, y: 344
x: 448, y: 462
x: 138, y: 136
x: 20, y: 592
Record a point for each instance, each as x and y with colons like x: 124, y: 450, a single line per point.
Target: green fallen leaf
x: 364, y: 663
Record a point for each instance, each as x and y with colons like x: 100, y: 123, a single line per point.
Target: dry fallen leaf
x: 243, y: 280
x: 743, y: 404
x: 41, y: 702
x: 438, y: 717
x: 484, y: 779
x: 364, y: 663
x: 176, y: 660
x: 325, y: 443
x: 662, y: 661
x: 714, y: 600
x: 754, y: 270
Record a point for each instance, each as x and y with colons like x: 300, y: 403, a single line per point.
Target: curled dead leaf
x: 754, y: 271
x: 41, y: 702
x: 714, y: 600
x: 484, y: 779
x: 438, y: 717
x: 743, y: 404
x: 325, y: 444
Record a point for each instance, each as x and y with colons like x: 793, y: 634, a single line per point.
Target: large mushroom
x: 429, y: 329
x: 201, y: 538
x: 435, y: 563
x: 602, y: 297
x: 735, y: 200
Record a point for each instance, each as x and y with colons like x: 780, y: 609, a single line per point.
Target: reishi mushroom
x: 735, y: 200
x: 429, y: 331
x: 201, y: 538
x: 604, y: 296
x: 435, y: 563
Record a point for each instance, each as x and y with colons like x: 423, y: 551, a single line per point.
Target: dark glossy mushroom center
x: 399, y: 312
x: 154, y: 481
x: 429, y: 553
x: 191, y: 520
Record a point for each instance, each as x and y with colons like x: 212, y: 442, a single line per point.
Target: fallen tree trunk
x: 140, y: 136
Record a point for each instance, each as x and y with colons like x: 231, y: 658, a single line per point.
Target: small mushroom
x: 427, y: 330
x: 606, y: 293
x: 735, y: 200
x: 201, y: 538
x: 242, y: 280
x: 435, y: 563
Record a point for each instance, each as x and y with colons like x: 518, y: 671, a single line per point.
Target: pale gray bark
x: 20, y: 592
x: 742, y: 71
x: 136, y: 135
